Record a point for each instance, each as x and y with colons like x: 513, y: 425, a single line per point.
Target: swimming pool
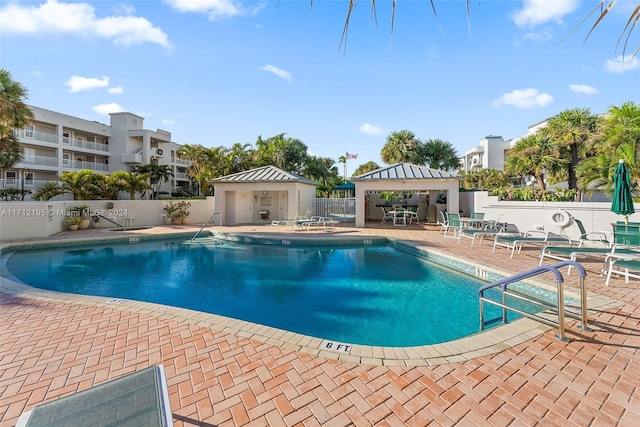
x: 371, y: 295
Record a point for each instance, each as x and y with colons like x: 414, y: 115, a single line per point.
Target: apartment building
x: 54, y: 143
x: 492, y: 151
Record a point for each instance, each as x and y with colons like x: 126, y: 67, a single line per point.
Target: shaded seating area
x: 137, y: 399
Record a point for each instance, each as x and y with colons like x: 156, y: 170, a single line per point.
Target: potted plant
x: 170, y: 209
x: 82, y: 212
x: 183, y: 211
x: 73, y: 221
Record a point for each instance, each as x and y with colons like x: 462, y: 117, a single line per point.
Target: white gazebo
x: 260, y: 195
x: 407, y: 177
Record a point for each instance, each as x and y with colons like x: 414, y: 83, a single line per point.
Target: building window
x: 29, y: 131
x: 66, y: 137
x: 66, y: 160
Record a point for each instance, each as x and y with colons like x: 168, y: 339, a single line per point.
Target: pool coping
x: 487, y: 342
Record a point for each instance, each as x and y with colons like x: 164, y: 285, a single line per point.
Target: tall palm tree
x: 572, y: 129
x: 14, y: 114
x: 441, y: 154
x: 403, y: 146
x: 366, y: 167
x: 131, y: 182
x: 239, y: 158
x: 532, y: 155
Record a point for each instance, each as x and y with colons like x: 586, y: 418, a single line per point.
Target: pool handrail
x: 205, y: 224
x: 503, y: 283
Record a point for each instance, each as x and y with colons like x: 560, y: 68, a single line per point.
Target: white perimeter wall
x: 595, y: 216
x: 28, y: 220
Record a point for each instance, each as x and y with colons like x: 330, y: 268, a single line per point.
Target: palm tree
x: 239, y: 158
x: 440, y: 154
x: 366, y: 167
x: 131, y: 182
x: 604, y: 6
x: 532, y: 155
x: 157, y: 173
x: 572, y: 129
x: 403, y: 146
x: 83, y: 185
x: 619, y: 139
x: 14, y: 114
x: 288, y: 154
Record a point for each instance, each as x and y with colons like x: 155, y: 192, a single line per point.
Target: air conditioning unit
x: 156, y: 152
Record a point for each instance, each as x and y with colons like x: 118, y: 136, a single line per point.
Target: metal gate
x: 343, y: 209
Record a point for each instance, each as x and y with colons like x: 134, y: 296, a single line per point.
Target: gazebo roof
x: 404, y: 172
x: 263, y: 174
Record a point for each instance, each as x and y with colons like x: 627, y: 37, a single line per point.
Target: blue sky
x: 217, y: 72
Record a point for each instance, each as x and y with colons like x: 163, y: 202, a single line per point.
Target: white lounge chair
x: 137, y: 399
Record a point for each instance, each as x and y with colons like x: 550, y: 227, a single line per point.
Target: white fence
x: 339, y: 209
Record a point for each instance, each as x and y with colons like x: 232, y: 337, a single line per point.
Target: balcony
x: 181, y: 175
x: 135, y: 158
x: 51, y: 138
x: 83, y: 143
x: 82, y: 164
x: 182, y: 162
x: 39, y: 161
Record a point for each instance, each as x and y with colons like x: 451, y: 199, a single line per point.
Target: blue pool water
x: 371, y: 295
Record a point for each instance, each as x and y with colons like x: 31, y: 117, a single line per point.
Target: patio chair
x: 385, y: 215
x: 562, y: 253
x: 137, y: 399
x: 536, y: 237
x: 586, y: 238
x: 444, y: 223
x: 414, y: 214
x: 453, y: 224
x: 625, y: 267
x: 490, y: 230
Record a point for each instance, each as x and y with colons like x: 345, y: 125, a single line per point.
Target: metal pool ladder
x: 558, y: 307
x: 205, y: 224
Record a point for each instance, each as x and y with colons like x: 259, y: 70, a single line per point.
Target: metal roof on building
x: 263, y: 174
x: 405, y: 171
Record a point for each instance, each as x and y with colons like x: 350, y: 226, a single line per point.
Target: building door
x: 244, y: 207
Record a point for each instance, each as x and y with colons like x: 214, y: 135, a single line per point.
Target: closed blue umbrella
x: 622, y: 199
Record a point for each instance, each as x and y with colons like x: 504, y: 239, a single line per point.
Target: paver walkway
x: 50, y: 349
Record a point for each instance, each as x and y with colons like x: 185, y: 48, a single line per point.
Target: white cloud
x: 108, y: 108
x: 278, y: 72
x: 115, y: 90
x: 216, y: 9
x: 36, y: 73
x: 536, y: 12
x: 370, y: 129
x: 524, y: 98
x: 53, y: 17
x: 622, y: 64
x: 584, y: 89
x: 539, y: 36
x: 77, y: 83
x: 168, y: 122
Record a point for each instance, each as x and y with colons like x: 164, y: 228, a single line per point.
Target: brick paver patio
x: 51, y: 348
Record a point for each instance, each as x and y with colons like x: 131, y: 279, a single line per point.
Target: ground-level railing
x: 559, y: 307
x: 343, y: 209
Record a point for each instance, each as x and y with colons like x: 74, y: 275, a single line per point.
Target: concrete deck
x: 55, y: 345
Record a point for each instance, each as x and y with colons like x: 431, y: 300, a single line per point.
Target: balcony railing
x: 182, y: 162
x: 36, y: 136
x: 82, y: 164
x: 181, y: 175
x: 40, y: 161
x: 83, y: 143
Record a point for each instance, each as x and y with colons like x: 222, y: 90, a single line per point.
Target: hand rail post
x: 205, y: 224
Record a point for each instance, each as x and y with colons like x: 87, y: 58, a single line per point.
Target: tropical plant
x: 484, y: 180
x: 83, y: 185
x: 440, y: 154
x: 157, y: 173
x: 604, y: 7
x: 288, y: 154
x: 14, y: 114
x: 403, y: 146
x: 131, y: 182
x: 366, y: 167
x: 572, y: 129
x: 533, y: 155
